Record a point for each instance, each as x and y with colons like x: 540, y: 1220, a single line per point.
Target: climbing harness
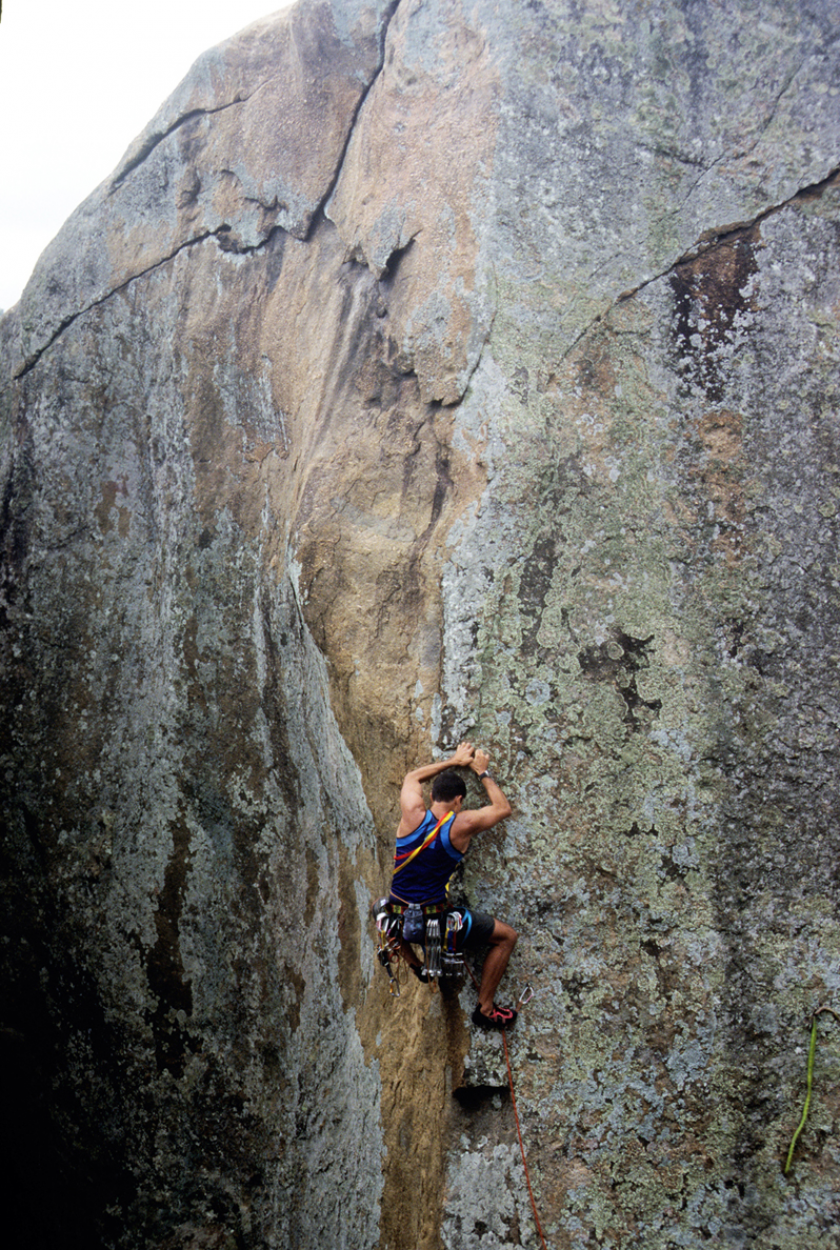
x: 430, y: 925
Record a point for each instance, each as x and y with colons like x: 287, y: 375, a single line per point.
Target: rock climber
x: 424, y: 863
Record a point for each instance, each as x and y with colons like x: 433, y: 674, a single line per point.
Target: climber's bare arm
x: 475, y: 820
x: 412, y: 803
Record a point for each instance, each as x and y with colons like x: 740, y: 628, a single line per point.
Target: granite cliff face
x: 426, y: 370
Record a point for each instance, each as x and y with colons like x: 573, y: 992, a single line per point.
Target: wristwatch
x: 486, y: 773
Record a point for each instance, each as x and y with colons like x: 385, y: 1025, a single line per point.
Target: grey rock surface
x: 431, y: 370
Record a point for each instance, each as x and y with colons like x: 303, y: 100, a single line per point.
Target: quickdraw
x: 387, y: 928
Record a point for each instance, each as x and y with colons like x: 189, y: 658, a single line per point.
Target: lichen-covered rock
x: 430, y: 369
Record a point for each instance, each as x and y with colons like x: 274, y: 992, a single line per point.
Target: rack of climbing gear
x: 388, y: 951
x: 433, y: 926
x: 432, y: 947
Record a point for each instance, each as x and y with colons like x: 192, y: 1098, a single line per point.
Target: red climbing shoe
x: 499, y: 1018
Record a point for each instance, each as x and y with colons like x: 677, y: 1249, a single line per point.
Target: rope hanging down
x: 521, y: 1144
x: 525, y: 997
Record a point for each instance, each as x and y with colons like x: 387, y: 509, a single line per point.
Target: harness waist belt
x: 428, y: 909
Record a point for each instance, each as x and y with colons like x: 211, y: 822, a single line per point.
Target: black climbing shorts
x: 477, y: 928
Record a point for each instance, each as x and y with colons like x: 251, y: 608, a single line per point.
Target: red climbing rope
x: 521, y: 1144
x: 522, y: 1001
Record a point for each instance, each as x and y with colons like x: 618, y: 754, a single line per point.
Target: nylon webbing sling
x: 402, y: 862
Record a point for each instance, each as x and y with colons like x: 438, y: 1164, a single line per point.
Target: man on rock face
x: 430, y: 845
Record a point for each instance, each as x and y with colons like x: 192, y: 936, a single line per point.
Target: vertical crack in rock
x: 165, y: 964
x: 387, y: 19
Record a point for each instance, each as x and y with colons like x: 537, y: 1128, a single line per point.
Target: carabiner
x: 526, y: 996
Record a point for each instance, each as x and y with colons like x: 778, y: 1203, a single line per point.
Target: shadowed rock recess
x: 430, y: 369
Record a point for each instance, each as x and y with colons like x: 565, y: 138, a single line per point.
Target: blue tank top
x: 424, y: 879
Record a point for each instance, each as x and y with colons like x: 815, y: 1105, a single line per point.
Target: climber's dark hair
x: 448, y: 786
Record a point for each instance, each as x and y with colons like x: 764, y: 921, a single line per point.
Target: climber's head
x: 447, y: 787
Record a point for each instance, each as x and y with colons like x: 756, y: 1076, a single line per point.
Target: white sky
x: 79, y: 79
